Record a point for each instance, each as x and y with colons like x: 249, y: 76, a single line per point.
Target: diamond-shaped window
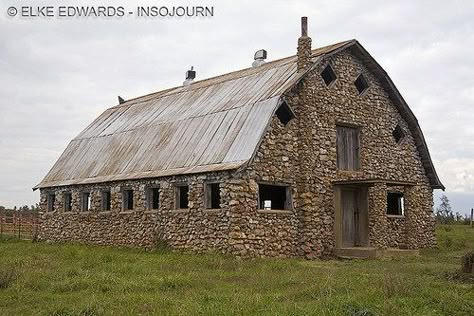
x: 361, y: 84
x: 398, y: 134
x: 328, y: 75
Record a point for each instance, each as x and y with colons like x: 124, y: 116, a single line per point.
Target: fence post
x: 33, y: 227
x: 472, y: 215
x: 13, y: 229
x: 1, y: 224
x: 19, y: 226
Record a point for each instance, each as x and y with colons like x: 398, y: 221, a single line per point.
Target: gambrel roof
x: 210, y: 125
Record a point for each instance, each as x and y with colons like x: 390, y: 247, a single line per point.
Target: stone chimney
x: 304, y: 47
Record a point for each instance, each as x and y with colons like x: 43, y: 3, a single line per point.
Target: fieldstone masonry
x: 301, y: 154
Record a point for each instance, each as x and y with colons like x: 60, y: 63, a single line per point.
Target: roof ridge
x: 273, y: 63
x: 199, y: 84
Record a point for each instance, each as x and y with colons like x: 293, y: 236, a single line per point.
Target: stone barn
x: 311, y: 155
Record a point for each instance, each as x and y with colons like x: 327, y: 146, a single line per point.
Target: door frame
x: 363, y: 207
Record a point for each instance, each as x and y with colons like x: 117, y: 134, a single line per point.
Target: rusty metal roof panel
x: 213, y: 124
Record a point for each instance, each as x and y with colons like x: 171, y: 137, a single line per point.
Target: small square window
x: 398, y: 134
x: 181, y: 197
x: 328, y: 75
x: 85, y: 201
x: 213, y: 196
x: 106, y: 204
x: 276, y: 197
x: 51, y: 201
x: 395, y: 204
x: 153, y: 198
x: 361, y: 84
x: 127, y: 199
x: 67, y: 202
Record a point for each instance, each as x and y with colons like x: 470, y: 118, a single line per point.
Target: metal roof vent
x: 259, y: 58
x: 190, y: 75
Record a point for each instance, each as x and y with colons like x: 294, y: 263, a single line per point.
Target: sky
x: 57, y: 73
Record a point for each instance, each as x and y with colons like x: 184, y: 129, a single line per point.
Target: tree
x: 444, y: 213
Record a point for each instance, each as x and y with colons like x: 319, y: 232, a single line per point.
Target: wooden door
x: 355, y: 219
x: 349, y: 217
x: 347, y: 148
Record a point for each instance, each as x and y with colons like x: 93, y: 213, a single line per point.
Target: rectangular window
x: 274, y: 197
x: 181, y: 196
x: 127, y: 199
x: 105, y: 201
x: 85, y: 201
x: 67, y: 202
x: 213, y: 196
x: 395, y: 204
x: 153, y: 198
x: 347, y: 148
x: 51, y: 202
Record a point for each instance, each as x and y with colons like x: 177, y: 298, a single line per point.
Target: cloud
x: 457, y: 174
x: 57, y: 75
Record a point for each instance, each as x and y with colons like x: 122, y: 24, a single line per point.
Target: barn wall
x: 195, y: 228
x: 303, y: 154
x: 319, y: 109
x: 273, y: 233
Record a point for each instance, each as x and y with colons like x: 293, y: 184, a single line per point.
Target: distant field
x: 84, y: 280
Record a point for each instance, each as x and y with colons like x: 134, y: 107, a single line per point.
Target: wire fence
x: 21, y: 225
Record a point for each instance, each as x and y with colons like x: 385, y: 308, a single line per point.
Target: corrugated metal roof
x: 213, y: 124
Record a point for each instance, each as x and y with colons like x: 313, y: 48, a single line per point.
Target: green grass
x: 69, y: 279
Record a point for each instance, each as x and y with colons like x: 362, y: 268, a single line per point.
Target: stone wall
x: 419, y: 225
x: 237, y: 227
x: 107, y: 228
x: 378, y: 226
x: 259, y: 232
x: 396, y: 231
x: 194, y: 228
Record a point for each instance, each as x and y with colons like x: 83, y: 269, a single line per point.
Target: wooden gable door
x: 354, y: 217
x: 348, y: 148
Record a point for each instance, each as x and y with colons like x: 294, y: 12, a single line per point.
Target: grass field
x: 44, y: 279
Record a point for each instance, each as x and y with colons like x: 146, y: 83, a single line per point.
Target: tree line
x: 445, y: 215
x: 23, y: 209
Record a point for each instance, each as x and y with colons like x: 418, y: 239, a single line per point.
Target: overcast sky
x: 58, y: 74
